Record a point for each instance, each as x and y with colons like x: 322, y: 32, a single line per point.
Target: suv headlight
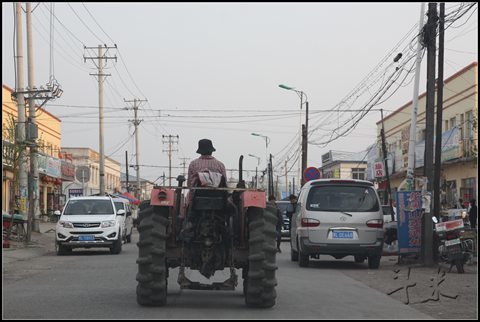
x: 65, y: 224
x: 109, y: 223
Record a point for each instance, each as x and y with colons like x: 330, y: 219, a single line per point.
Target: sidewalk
x: 41, y: 243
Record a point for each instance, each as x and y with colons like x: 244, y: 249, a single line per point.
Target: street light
x: 304, y: 128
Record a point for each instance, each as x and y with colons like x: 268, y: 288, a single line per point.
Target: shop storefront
x: 49, y: 170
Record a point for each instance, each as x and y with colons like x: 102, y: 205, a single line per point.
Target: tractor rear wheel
x: 260, y: 280
x: 152, y: 269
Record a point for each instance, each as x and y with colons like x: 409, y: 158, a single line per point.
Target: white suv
x: 127, y: 222
x: 89, y: 222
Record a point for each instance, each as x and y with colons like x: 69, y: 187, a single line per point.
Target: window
x: 462, y: 127
x: 446, y: 125
x: 358, y: 173
x: 453, y: 122
x: 469, y: 125
x: 342, y: 198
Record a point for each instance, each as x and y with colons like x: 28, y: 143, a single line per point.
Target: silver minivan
x: 339, y: 218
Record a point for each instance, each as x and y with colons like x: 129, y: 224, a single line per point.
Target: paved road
x: 93, y: 284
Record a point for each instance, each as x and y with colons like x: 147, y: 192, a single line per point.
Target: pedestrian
x: 279, y: 223
x: 291, y: 208
x: 472, y: 214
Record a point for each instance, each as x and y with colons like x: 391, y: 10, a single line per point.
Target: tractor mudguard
x: 254, y: 199
x: 162, y: 197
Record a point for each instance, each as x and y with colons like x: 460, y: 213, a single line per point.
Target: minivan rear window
x: 89, y: 207
x: 342, y: 198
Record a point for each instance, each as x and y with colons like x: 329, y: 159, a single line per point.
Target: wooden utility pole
x: 430, y: 38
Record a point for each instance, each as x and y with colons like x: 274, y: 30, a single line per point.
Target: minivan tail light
x: 375, y: 223
x: 309, y: 222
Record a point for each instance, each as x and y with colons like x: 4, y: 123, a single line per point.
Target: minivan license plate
x: 342, y: 235
x: 86, y: 238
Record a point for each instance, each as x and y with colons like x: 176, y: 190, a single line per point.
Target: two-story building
x: 48, y: 142
x: 459, y: 173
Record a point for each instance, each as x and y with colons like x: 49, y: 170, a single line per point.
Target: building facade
x: 343, y: 165
x: 87, y: 173
x: 146, y: 186
x: 48, y: 142
x: 459, y: 176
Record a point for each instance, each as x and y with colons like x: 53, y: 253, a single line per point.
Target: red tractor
x: 217, y: 230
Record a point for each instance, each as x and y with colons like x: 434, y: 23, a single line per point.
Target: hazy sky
x: 212, y: 70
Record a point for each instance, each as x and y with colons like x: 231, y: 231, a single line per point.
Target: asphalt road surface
x: 93, y: 284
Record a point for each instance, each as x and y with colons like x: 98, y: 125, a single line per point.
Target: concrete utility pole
x: 286, y: 179
x: 413, y: 126
x: 184, y: 164
x: 438, y: 142
x: 136, y: 122
x: 101, y: 57
x: 20, y: 126
x: 33, y: 209
x: 429, y: 125
x: 171, y: 140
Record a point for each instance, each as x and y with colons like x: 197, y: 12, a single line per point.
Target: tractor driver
x: 205, y: 162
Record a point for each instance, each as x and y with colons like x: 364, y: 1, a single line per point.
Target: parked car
x: 338, y: 218
x: 89, y: 222
x: 127, y: 224
x: 282, y: 205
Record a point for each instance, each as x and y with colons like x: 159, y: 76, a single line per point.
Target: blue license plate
x: 342, y: 235
x: 86, y: 238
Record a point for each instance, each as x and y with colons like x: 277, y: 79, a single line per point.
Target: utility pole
x: 286, y: 179
x: 126, y: 168
x: 101, y: 57
x: 184, y: 164
x: 409, y: 181
x: 136, y: 122
x: 33, y: 209
x: 429, y: 126
x: 385, y: 162
x: 304, y: 144
x: 20, y: 126
x: 171, y: 140
x: 438, y: 142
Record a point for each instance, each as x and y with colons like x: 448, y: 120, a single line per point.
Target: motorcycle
x: 451, y: 249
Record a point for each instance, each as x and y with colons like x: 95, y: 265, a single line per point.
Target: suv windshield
x: 89, y: 207
x: 342, y: 198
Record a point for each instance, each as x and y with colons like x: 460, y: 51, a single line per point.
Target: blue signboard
x: 409, y: 221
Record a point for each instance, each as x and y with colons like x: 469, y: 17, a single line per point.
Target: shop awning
x: 130, y: 198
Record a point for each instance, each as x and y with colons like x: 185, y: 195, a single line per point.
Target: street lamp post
x: 304, y: 128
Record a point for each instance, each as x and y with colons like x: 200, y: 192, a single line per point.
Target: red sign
x: 311, y: 173
x: 378, y: 167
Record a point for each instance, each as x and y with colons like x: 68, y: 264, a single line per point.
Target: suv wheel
x: 303, y: 259
x: 293, y: 255
x: 62, y: 250
x: 117, y: 246
x: 374, y: 261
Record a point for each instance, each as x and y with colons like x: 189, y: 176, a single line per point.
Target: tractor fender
x: 162, y: 197
x: 254, y: 199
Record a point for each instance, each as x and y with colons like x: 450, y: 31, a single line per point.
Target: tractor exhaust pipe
x: 241, y: 183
